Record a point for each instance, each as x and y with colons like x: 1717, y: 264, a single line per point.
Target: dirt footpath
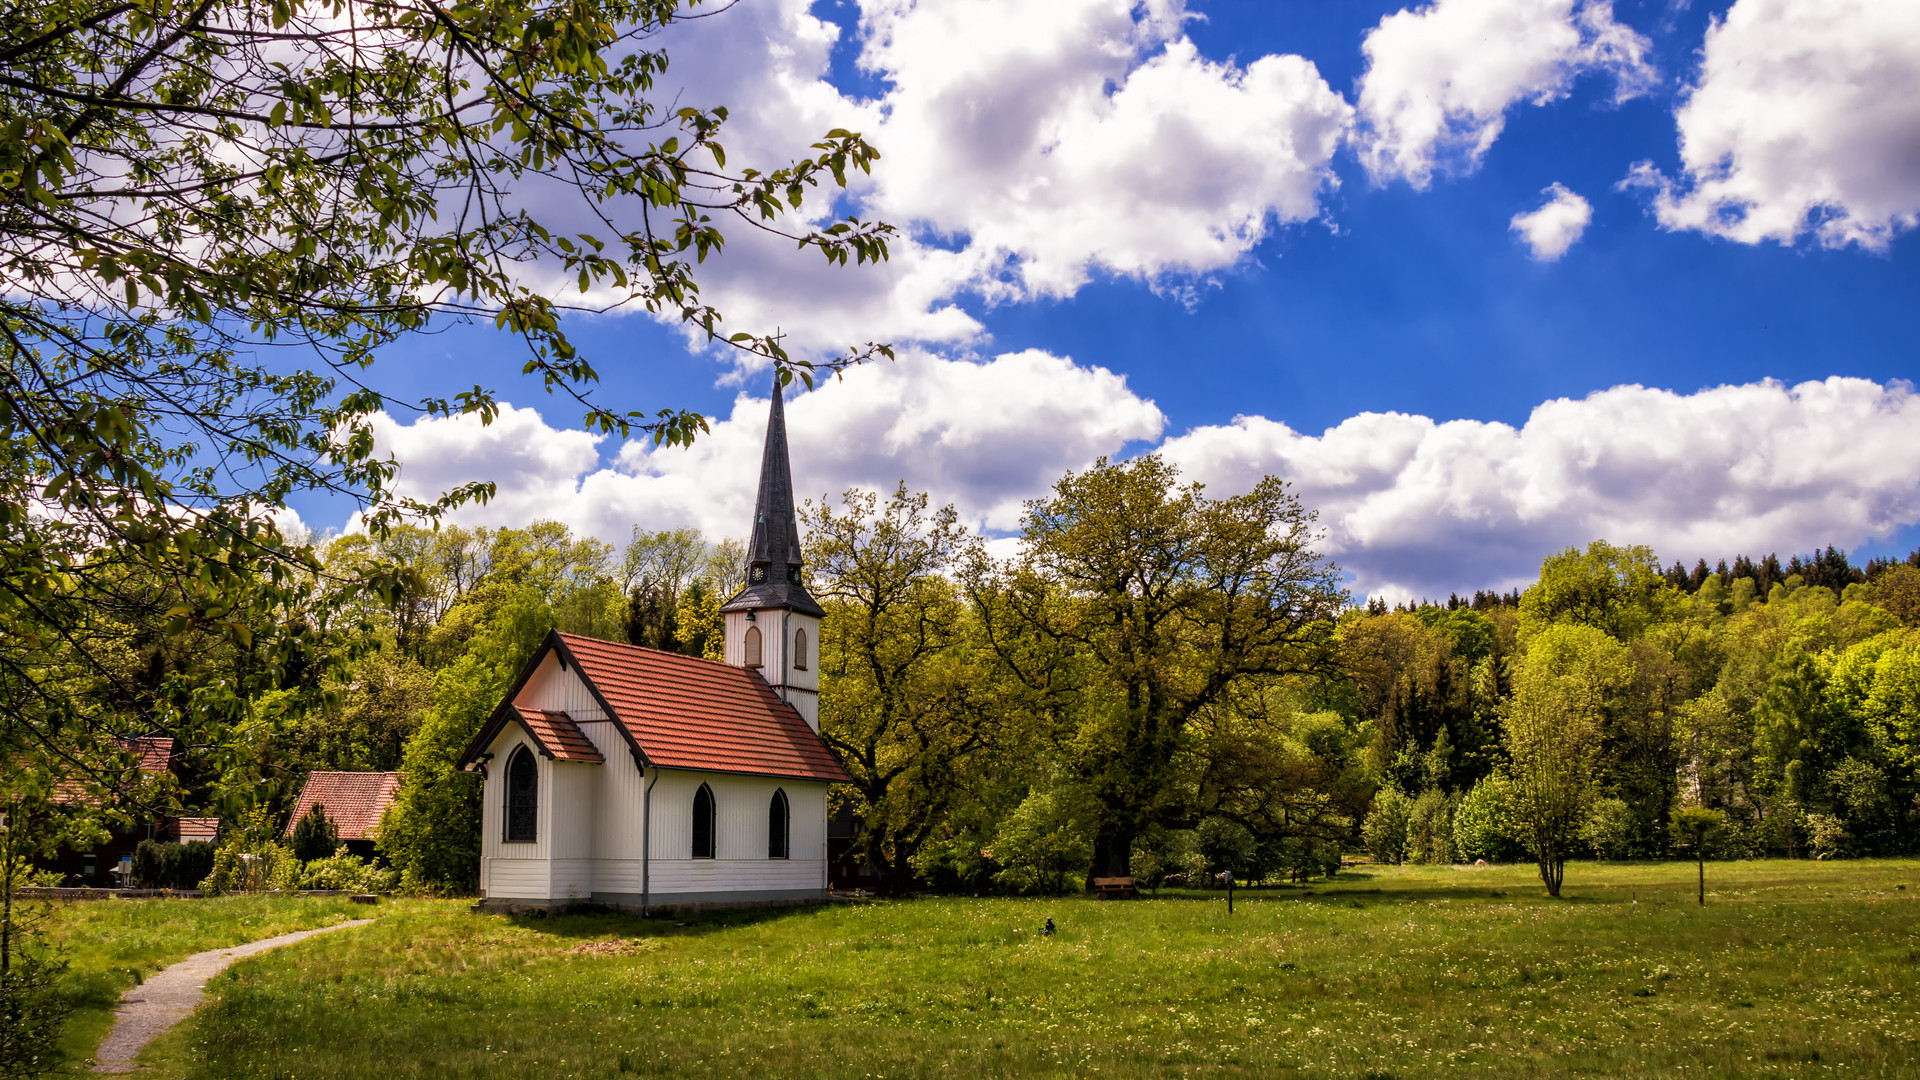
x: 165, y: 999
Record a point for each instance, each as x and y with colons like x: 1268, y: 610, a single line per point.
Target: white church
x: 649, y: 780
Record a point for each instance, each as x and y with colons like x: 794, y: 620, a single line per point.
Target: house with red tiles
x: 644, y: 779
x: 353, y: 801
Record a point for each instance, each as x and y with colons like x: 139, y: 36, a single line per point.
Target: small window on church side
x: 753, y: 646
x: 800, y: 649
x: 777, y: 817
x: 703, y: 823
x: 523, y: 798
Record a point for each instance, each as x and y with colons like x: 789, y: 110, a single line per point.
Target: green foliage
x: 1044, y: 845
x: 1569, y: 680
x: 903, y: 704
x: 314, y: 834
x: 1136, y: 605
x: 1827, y: 837
x: 172, y: 866
x: 1483, y: 826
x: 1696, y: 830
x: 1385, y: 831
x: 1430, y: 828
x: 1616, y: 590
x: 32, y: 1010
x: 344, y: 870
x: 1609, y: 829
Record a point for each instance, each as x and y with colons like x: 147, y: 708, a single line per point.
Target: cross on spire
x: 773, y: 550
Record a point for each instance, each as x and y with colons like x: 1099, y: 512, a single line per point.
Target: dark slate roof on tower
x: 773, y: 551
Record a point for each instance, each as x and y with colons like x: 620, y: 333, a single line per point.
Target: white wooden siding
x: 554, y: 690
x: 740, y: 816
x: 620, y: 799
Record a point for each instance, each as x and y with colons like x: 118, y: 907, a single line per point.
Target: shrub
x: 238, y: 869
x: 1430, y: 828
x: 1045, y: 844
x: 172, y: 866
x: 1827, y: 837
x: 1609, y: 829
x: 1482, y: 823
x: 1862, y: 805
x: 1227, y: 846
x: 1385, y: 831
x: 343, y: 870
x: 314, y: 835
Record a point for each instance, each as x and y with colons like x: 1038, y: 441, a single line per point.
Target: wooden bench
x: 1113, y: 888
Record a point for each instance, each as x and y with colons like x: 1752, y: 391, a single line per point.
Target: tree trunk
x: 1112, y: 853
x: 1552, y: 871
x: 1703, y: 879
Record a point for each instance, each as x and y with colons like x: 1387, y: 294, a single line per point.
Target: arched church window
x: 800, y: 649
x: 703, y: 823
x: 523, y: 798
x: 753, y: 646
x: 777, y: 818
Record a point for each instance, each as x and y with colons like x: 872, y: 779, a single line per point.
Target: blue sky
x: 1357, y: 293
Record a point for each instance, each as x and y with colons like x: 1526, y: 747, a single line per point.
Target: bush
x: 1609, y: 829
x: 346, y: 871
x: 1046, y: 843
x: 1482, y: 823
x: 238, y: 869
x: 1385, y: 831
x: 1430, y: 829
x: 314, y: 835
x: 1227, y: 846
x: 1861, y: 803
x: 1827, y: 837
x: 172, y: 866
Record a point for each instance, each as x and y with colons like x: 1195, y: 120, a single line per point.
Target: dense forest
x: 1162, y: 684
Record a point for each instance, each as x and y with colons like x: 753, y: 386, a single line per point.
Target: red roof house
x: 353, y: 801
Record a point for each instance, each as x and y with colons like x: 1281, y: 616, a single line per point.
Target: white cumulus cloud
x: 983, y: 436
x: 1805, y: 120
x: 1027, y: 145
x: 1441, y: 78
x: 1417, y: 507
x: 1556, y: 225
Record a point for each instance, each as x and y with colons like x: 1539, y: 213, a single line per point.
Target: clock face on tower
x: 757, y: 575
x: 793, y: 574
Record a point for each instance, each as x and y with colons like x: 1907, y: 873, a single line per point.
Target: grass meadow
x: 1792, y: 969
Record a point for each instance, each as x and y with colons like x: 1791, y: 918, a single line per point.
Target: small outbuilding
x: 353, y: 801
x: 645, y: 779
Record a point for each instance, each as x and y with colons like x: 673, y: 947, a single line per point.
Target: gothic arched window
x: 523, y: 798
x: 777, y: 818
x: 800, y: 649
x: 753, y: 646
x: 703, y: 823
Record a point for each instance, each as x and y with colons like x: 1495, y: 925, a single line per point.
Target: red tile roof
x: 690, y: 713
x: 156, y: 753
x: 196, y: 828
x: 558, y: 735
x: 354, y: 801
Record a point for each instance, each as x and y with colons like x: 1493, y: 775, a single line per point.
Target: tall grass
x: 1793, y: 969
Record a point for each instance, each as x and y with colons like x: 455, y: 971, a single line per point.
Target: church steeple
x: 773, y: 549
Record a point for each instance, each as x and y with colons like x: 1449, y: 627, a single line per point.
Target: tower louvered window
x: 778, y: 816
x: 753, y: 646
x: 523, y: 798
x: 703, y: 823
x: 800, y: 649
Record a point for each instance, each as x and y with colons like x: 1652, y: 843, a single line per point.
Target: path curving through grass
x: 167, y: 998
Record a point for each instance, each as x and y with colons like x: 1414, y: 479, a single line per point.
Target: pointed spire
x: 773, y: 547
